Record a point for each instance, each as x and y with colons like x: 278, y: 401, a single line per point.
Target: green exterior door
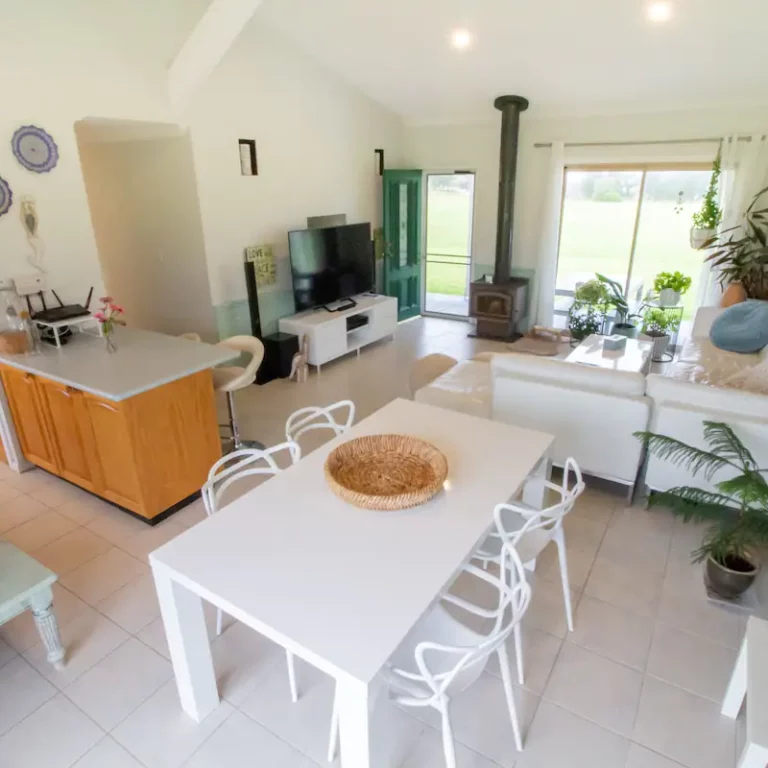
x: 402, y: 240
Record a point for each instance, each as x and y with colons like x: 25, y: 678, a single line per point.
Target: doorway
x: 450, y: 200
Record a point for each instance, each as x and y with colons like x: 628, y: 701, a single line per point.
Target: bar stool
x: 229, y: 379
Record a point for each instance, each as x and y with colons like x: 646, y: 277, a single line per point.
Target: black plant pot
x: 732, y: 579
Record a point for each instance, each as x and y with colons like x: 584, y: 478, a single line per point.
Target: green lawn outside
x: 596, y: 236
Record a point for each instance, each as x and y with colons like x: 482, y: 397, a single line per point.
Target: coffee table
x: 634, y: 358
x: 25, y: 585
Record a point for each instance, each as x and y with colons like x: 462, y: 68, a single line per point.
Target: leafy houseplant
x: 616, y: 299
x: 708, y: 217
x: 659, y: 325
x: 671, y: 286
x: 738, y: 511
x: 741, y: 253
x: 587, y: 313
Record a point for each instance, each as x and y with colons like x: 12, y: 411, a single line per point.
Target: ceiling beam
x: 206, y: 47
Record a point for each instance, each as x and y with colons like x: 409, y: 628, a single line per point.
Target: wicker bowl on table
x: 386, y: 472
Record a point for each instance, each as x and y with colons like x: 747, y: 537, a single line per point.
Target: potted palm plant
x: 671, y: 286
x: 737, y: 511
x: 623, y: 325
x: 740, y: 253
x: 587, y: 313
x: 659, y: 325
x: 707, y: 218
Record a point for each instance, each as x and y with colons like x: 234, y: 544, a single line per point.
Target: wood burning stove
x: 498, y: 304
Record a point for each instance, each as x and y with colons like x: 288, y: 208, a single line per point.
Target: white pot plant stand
x: 671, y: 287
x: 737, y: 510
x: 659, y: 323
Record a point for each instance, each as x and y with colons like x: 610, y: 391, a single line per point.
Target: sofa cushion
x: 568, y: 375
x: 742, y: 327
x: 466, y: 388
x: 701, y: 362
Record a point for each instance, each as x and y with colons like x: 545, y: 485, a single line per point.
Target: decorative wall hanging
x: 31, y: 221
x: 264, y: 265
x: 6, y: 196
x: 35, y: 149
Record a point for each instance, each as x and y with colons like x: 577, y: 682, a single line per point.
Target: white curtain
x: 744, y: 172
x: 549, y: 236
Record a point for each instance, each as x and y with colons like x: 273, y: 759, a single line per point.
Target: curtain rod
x: 540, y: 145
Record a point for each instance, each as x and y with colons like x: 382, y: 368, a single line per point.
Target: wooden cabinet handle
x: 108, y: 407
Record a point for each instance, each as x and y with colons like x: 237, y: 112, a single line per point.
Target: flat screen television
x: 330, y: 263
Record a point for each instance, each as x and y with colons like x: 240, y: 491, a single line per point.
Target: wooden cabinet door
x: 117, y: 478
x: 69, y: 431
x: 28, y: 411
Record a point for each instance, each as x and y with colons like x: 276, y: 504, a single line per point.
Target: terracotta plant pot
x: 669, y: 297
x: 700, y: 236
x: 734, y: 578
x: 733, y: 294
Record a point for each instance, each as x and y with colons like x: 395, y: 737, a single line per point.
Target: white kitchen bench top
x: 143, y: 361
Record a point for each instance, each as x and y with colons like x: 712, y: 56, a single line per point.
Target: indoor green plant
x: 623, y: 325
x: 587, y: 313
x: 671, y: 286
x: 659, y: 325
x: 707, y: 218
x: 737, y: 511
x: 740, y: 254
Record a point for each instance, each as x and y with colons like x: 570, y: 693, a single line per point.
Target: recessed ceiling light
x: 461, y: 39
x: 660, y: 11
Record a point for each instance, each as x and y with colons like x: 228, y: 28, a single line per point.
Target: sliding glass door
x: 629, y: 223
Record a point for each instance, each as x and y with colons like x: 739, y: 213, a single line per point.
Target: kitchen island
x: 136, y: 427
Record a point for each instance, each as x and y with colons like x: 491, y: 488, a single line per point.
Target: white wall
x: 146, y: 218
x: 475, y: 146
x: 315, y: 138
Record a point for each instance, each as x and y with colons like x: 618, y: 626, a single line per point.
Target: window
x: 629, y: 223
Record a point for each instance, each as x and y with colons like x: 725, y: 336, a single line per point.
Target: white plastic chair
x: 529, y: 531
x: 229, y: 379
x: 442, y: 656
x: 319, y: 417
x: 236, y: 466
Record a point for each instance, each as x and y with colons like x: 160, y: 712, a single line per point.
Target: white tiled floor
x: 637, y: 685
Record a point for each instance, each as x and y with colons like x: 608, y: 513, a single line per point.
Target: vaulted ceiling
x: 575, y: 56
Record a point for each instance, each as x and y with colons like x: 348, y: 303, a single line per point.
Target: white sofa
x: 593, y: 413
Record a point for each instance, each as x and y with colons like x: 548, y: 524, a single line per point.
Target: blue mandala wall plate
x: 35, y: 149
x: 6, y: 196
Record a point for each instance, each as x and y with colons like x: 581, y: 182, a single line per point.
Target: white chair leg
x: 559, y: 538
x: 292, y: 676
x: 219, y: 621
x: 333, y: 741
x: 449, y: 749
x: 519, y: 654
x: 506, y: 679
x: 753, y: 756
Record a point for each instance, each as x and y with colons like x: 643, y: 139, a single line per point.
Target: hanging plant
x: 707, y: 219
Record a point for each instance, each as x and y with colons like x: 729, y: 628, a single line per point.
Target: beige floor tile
x: 539, y: 654
x: 161, y: 735
x: 71, y: 551
x: 19, y: 510
x: 428, y: 753
x: 113, y: 687
x: 115, y: 526
x: 59, y: 492
x: 631, y: 588
x: 133, y: 606
x: 23, y: 691
x: 54, y: 736
x: 104, y: 575
x: 700, y: 617
x: 640, y: 757
x: 107, y: 754
x: 83, y: 511
x: 614, y: 632
x: 596, y: 688
x: 559, y: 738
x: 142, y: 543
x: 691, y: 662
x: 579, y: 565
x: 6, y: 653
x: 642, y: 552
x: 8, y: 491
x: 31, y: 481
x: 546, y: 611
x: 40, y: 530
x: 683, y: 727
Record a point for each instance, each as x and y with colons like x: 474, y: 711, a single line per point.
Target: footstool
x: 25, y: 584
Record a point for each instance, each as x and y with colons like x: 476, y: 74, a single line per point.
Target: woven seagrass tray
x: 386, y: 472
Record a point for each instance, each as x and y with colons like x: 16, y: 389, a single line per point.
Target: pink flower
x: 106, y: 299
x: 100, y: 316
x: 116, y: 308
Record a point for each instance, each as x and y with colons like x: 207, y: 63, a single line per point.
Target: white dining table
x: 339, y: 586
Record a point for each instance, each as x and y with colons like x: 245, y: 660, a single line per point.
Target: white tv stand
x: 327, y: 331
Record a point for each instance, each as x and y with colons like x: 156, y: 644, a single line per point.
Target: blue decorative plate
x: 6, y: 196
x: 35, y: 149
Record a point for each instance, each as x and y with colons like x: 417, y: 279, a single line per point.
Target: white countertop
x: 143, y: 361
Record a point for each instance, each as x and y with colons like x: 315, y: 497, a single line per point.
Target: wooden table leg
x: 41, y: 604
x: 354, y: 722
x: 187, y: 635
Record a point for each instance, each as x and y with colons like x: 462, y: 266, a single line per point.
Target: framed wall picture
x: 263, y: 259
